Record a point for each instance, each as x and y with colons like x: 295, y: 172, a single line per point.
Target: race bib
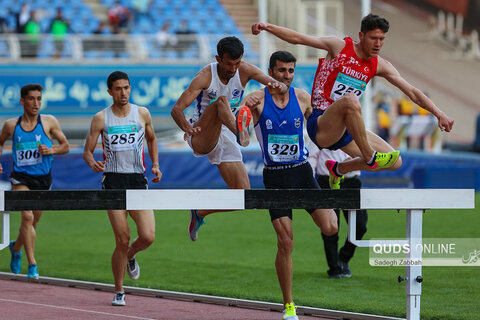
x: 283, y: 148
x: 234, y: 103
x: 123, y: 138
x: 345, y: 84
x: 27, y: 153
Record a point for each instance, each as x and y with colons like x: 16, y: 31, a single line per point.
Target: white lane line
x: 75, y: 309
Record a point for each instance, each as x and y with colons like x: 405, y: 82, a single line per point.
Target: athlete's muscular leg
x: 357, y: 163
x: 346, y: 112
x: 326, y: 220
x: 235, y: 176
x: 118, y: 220
x: 210, y: 122
x: 145, y: 221
x: 283, y: 259
x: 27, y: 234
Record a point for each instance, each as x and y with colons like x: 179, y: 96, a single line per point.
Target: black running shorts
x: 43, y: 182
x: 124, y: 181
x: 300, y: 177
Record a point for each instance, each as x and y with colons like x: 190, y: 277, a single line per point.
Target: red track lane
x: 24, y: 300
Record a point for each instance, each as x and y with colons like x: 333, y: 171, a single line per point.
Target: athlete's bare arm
x: 54, y: 130
x: 7, y: 131
x: 331, y: 44
x: 255, y: 102
x: 96, y: 128
x: 151, y: 142
x: 200, y: 82
x: 248, y: 72
x: 304, y: 101
x: 386, y: 70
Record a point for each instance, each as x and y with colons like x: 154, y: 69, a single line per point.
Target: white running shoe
x: 133, y: 269
x: 119, y: 299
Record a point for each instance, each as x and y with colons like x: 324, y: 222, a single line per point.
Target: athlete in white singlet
x: 213, y: 130
x: 124, y: 127
x: 341, y: 78
x: 122, y: 140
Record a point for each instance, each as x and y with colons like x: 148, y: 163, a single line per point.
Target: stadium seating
x: 202, y: 18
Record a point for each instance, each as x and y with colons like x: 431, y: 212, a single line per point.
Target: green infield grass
x: 234, y: 257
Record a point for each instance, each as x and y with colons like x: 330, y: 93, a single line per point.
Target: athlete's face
x: 32, y: 102
x: 227, y: 66
x: 120, y: 92
x: 372, y: 42
x: 283, y: 72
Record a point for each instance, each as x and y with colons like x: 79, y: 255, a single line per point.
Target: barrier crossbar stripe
x: 65, y: 200
x: 181, y: 199
x: 302, y: 199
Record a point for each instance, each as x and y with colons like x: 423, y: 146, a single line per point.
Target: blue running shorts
x: 312, y: 132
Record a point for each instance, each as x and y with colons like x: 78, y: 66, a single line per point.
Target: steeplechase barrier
x: 414, y: 201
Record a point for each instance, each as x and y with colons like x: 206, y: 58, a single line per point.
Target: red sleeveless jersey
x: 344, y: 73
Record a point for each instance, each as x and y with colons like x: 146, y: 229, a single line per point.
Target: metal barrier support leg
x: 413, y: 286
x: 5, y: 230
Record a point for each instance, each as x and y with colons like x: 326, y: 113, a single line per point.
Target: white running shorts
x: 226, y: 150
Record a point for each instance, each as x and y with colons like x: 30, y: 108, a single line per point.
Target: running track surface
x: 25, y: 300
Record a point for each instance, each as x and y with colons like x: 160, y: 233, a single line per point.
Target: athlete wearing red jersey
x: 341, y: 78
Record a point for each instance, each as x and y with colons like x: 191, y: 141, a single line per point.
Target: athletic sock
x: 371, y: 162
x: 335, y: 169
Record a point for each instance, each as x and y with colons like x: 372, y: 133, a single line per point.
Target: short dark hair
x: 283, y: 56
x: 114, y: 76
x: 372, y: 22
x: 30, y: 87
x: 231, y: 46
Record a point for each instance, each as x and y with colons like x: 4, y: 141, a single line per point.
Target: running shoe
x: 333, y: 179
x: 385, y: 160
x: 290, y: 312
x: 133, y: 269
x: 244, y: 116
x: 119, y: 299
x: 32, y: 272
x: 346, y: 272
x: 195, y: 223
x: 16, y: 260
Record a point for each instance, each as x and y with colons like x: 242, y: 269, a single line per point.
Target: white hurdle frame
x: 414, y: 201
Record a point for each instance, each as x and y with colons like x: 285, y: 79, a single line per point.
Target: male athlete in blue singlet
x: 124, y: 128
x: 214, y: 131
x: 279, y: 120
x: 32, y: 151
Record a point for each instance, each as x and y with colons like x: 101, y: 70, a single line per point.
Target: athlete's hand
x: 258, y: 27
x: 1, y: 169
x: 158, y: 174
x: 44, y: 150
x: 445, y: 123
x: 252, y: 102
x: 191, y: 131
x: 98, y: 166
x: 276, y: 88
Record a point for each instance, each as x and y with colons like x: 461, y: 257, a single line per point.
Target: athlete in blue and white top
x: 279, y: 131
x: 124, y: 127
x: 214, y: 130
x: 32, y: 151
x: 279, y: 122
